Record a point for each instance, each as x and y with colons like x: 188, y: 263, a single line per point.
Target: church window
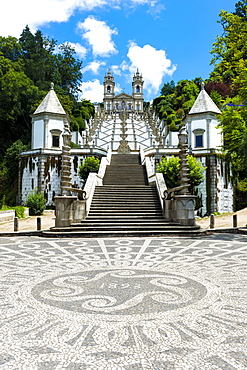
x: 108, y: 106
x: 199, y: 137
x: 55, y: 141
x: 117, y: 107
x: 199, y: 141
x: 138, y: 90
x: 56, y: 138
x: 130, y: 107
x: 108, y: 88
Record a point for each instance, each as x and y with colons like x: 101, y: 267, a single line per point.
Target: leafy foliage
x: 36, y: 203
x: 170, y: 168
x: 175, y: 102
x: 19, y: 210
x: 91, y: 164
x: 27, y: 67
x: 229, y: 50
x: 11, y: 159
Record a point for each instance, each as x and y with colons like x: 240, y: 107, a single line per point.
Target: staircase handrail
x: 96, y: 179
x: 105, y: 161
x: 142, y: 155
x: 149, y: 170
x: 161, y: 187
x: 169, y: 193
x: 81, y: 194
x: 89, y: 189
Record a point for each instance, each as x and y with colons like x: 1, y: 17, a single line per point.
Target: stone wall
x: 216, y: 191
x: 43, y: 172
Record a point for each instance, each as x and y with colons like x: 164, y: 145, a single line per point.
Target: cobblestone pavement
x: 139, y: 303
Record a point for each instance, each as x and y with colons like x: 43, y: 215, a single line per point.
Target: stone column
x: 64, y: 204
x: 184, y: 202
x: 66, y: 164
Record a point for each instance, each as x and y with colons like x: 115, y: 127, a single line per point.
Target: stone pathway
x: 139, y: 303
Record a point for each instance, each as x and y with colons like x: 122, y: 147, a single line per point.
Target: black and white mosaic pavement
x: 151, y: 303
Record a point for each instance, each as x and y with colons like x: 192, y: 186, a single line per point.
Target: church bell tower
x: 109, y: 91
x: 137, y: 91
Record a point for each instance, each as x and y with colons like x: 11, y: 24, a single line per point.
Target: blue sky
x: 165, y: 39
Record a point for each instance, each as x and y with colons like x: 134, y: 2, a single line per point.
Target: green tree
x: 91, y: 164
x: 232, y: 122
x: 37, y: 56
x: 36, y: 203
x: 10, y: 48
x: 168, y: 88
x: 67, y: 73
x: 9, y: 173
x: 229, y: 50
x: 18, y: 96
x: 11, y: 159
x: 170, y: 168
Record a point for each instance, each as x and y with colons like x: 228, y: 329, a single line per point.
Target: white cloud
x: 92, y: 90
x: 99, y: 36
x: 80, y: 50
x: 93, y: 67
x: 16, y: 14
x: 116, y: 70
x: 152, y: 63
x: 118, y: 88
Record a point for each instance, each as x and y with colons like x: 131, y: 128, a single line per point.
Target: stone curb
x: 202, y: 232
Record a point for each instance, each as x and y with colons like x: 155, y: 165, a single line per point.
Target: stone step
x: 118, y: 221
x: 71, y: 233
x: 125, y: 187
x: 125, y: 213
x: 125, y: 158
x: 129, y: 227
x: 124, y: 209
x: 124, y: 218
x: 115, y: 203
x: 122, y: 196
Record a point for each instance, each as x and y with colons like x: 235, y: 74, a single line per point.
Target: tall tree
x: 68, y: 70
x: 229, y: 50
x: 37, y: 54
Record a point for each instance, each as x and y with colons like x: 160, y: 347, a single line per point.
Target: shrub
x: 19, y: 211
x: 73, y: 145
x: 170, y: 169
x: 91, y: 164
x: 36, y: 203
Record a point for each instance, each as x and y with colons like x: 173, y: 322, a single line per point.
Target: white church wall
x: 76, y: 138
x: 38, y: 134
x: 51, y: 176
x: 54, y: 124
x: 29, y: 177
x: 216, y: 136
x: 224, y: 188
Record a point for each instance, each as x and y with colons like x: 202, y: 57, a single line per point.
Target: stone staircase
x: 125, y: 206
x: 125, y: 169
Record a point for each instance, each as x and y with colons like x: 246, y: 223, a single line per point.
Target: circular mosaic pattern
x: 119, y: 291
x: 122, y: 304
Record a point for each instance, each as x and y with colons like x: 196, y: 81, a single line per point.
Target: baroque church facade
x: 124, y: 126
x: 117, y: 103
